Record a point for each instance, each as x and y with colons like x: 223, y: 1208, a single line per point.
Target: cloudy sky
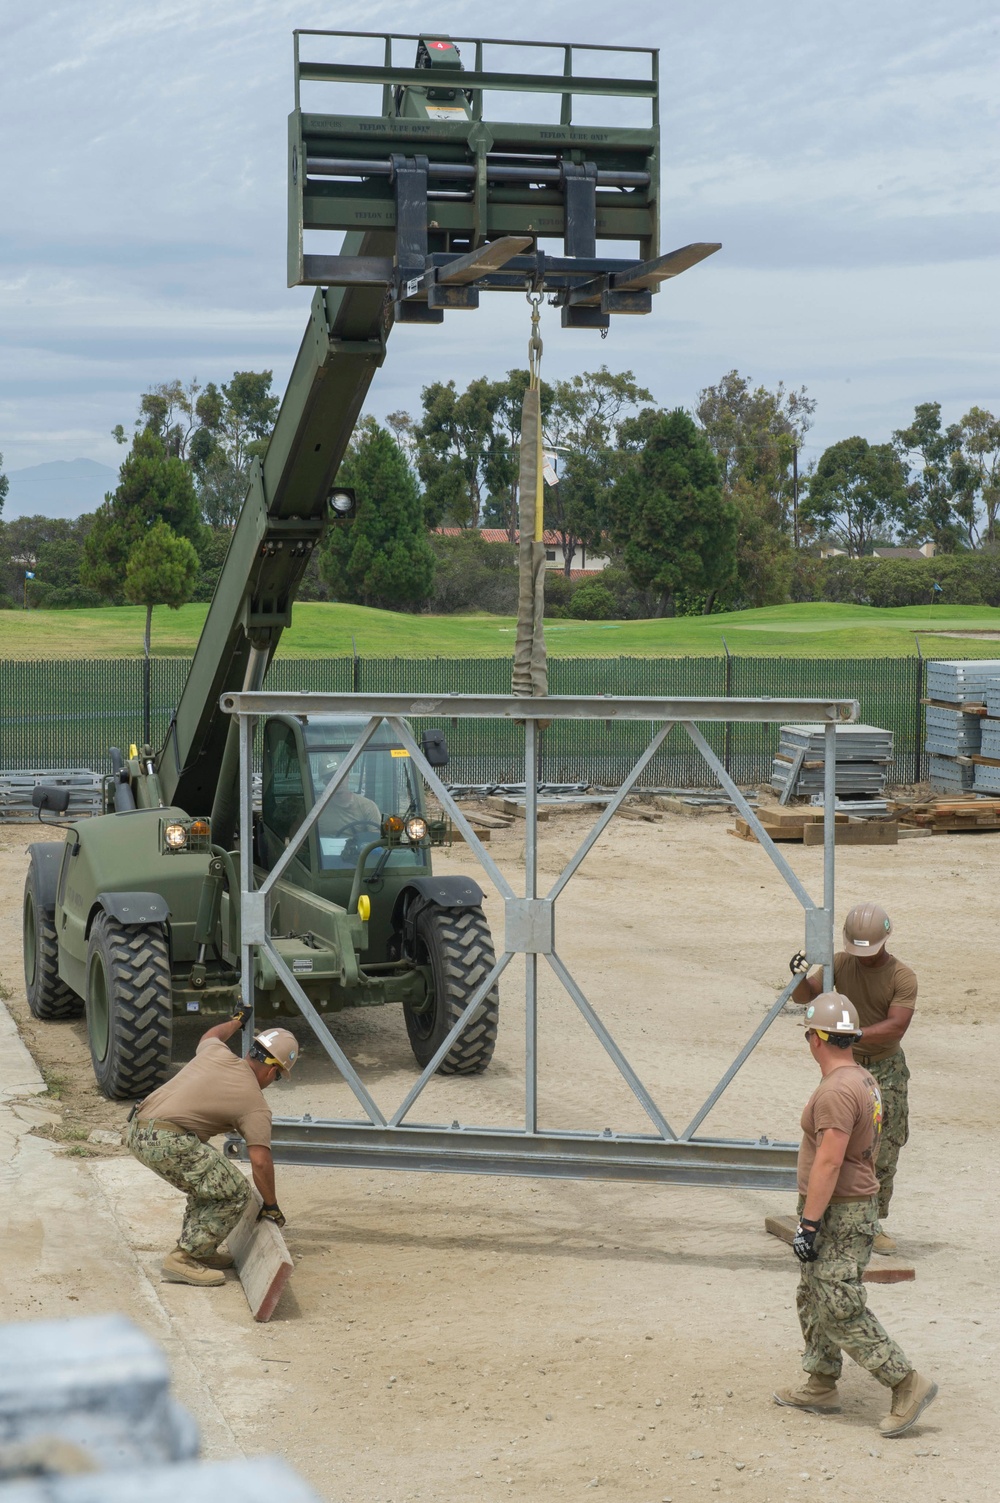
x: 847, y: 155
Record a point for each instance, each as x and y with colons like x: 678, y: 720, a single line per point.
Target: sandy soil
x: 459, y: 1338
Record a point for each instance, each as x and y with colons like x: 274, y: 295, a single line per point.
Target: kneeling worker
x: 838, y: 1213
x: 215, y: 1092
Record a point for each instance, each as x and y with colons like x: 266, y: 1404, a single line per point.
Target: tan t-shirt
x: 214, y: 1092
x: 873, y: 990
x: 848, y: 1099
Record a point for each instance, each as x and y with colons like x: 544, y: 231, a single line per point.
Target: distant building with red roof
x: 583, y: 562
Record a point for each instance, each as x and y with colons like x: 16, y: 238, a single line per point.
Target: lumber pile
x: 786, y: 824
x: 805, y: 825
x: 856, y: 832
x: 945, y: 815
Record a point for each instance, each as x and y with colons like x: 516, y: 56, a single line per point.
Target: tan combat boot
x: 180, y: 1268
x: 214, y: 1259
x: 817, y: 1395
x: 884, y: 1244
x: 909, y: 1400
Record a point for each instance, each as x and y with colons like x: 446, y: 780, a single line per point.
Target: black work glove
x: 798, y: 965
x: 271, y: 1213
x: 241, y: 1013
x: 804, y: 1242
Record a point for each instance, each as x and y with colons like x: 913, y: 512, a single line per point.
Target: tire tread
x: 465, y: 950
x: 140, y: 1006
x: 50, y: 1000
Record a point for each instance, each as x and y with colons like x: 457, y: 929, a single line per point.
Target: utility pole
x: 795, y: 495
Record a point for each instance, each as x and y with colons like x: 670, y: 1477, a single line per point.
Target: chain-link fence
x: 68, y: 713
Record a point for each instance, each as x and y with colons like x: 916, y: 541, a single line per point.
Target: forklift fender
x: 436, y: 892
x: 46, y: 857
x: 134, y: 907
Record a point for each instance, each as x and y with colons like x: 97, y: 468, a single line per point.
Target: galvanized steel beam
x: 720, y: 1162
x: 547, y: 707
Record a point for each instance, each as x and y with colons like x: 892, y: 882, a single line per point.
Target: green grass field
x: 818, y: 631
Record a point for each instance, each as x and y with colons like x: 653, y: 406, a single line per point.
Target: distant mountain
x: 60, y: 488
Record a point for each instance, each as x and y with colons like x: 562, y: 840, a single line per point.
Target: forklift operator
x: 347, y: 813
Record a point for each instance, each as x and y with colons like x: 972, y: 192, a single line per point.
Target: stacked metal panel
x: 863, y: 754
x: 951, y: 733
x: 988, y: 778
x: 960, y: 681
x: 946, y: 775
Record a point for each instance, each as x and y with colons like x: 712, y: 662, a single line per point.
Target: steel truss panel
x: 551, y: 1155
x: 549, y: 707
x: 387, y: 1140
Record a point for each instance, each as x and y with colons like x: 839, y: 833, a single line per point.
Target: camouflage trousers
x: 217, y: 1192
x: 832, y: 1302
x: 891, y: 1077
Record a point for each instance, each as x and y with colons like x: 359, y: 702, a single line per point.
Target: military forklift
x: 134, y: 918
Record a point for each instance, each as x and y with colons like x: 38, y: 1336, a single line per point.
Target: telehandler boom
x: 135, y: 917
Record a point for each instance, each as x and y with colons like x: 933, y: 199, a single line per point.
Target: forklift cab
x: 299, y: 759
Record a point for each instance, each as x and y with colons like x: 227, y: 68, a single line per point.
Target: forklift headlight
x: 416, y: 828
x: 175, y: 837
x: 392, y: 827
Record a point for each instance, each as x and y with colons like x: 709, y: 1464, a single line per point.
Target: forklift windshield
x: 381, y: 781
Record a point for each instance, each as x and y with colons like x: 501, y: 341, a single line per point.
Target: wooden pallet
x: 965, y: 709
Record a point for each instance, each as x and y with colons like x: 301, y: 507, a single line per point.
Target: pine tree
x: 152, y: 487
x: 162, y: 569
x: 676, y: 532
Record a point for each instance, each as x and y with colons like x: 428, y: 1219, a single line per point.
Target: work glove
x: 804, y: 1241
x: 798, y: 965
x: 271, y: 1213
x: 241, y: 1013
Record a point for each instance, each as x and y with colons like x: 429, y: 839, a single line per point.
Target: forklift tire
x: 49, y: 998
x: 129, y: 1007
x: 457, y: 945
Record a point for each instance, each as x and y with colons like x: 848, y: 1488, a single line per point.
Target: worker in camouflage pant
x: 217, y: 1193
x: 891, y: 1076
x: 832, y: 1303
x: 838, y: 1218
x: 169, y: 1132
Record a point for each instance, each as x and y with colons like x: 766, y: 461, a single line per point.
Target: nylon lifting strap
x: 531, y: 674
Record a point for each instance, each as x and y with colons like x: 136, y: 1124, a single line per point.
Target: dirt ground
x: 491, y: 1339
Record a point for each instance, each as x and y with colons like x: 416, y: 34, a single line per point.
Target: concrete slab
x: 19, y: 1075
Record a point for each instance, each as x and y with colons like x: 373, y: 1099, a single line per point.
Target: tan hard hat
x: 866, y: 929
x: 831, y: 1012
x: 281, y: 1048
